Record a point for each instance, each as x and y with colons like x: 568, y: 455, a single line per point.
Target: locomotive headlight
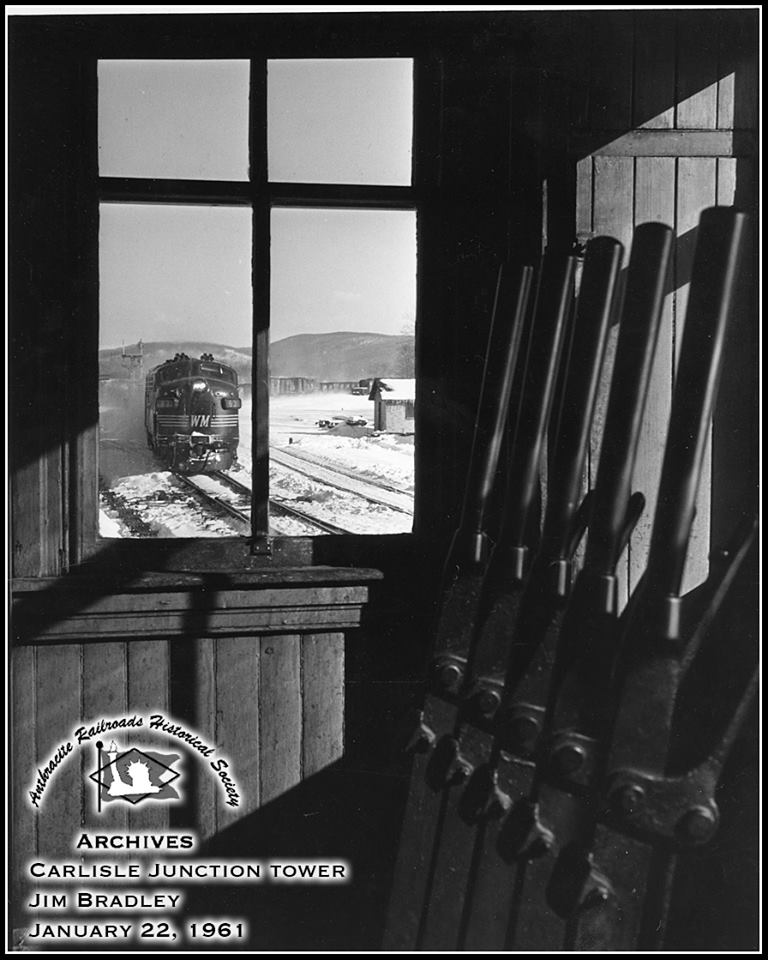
x: 199, y: 385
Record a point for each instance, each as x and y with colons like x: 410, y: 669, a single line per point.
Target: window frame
x: 262, y: 196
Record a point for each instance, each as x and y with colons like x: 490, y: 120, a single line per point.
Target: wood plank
x: 26, y: 516
x: 726, y: 86
x: 322, y: 700
x: 53, y: 522
x: 697, y: 47
x: 665, y: 143
x: 654, y: 82
x: 58, y: 696
x: 696, y: 190
x: 24, y: 756
x: 613, y: 199
x: 280, y: 715
x: 183, y: 581
x: 726, y: 182
x: 106, y: 599
x: 84, y: 489
x: 132, y: 624
x: 204, y: 798
x: 237, y: 734
x: 610, y: 103
x: 654, y: 201
x: 105, y: 694
x: 148, y: 693
x: 738, y: 82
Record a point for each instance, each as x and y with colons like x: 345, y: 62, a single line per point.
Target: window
x: 252, y: 287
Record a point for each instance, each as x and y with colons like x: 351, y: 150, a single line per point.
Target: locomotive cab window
x: 252, y: 294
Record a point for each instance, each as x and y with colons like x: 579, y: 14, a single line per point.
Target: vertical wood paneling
x: 613, y: 199
x: 738, y: 83
x: 654, y: 201
x: 696, y: 190
x: 613, y: 204
x: 29, y: 508
x: 105, y: 694
x: 280, y: 719
x: 610, y: 104
x: 204, y: 796
x: 237, y: 733
x: 148, y: 693
x: 59, y: 671
x: 726, y: 181
x: 725, y: 101
x: 323, y: 700
x: 654, y: 87
x: 697, y: 53
x: 24, y: 756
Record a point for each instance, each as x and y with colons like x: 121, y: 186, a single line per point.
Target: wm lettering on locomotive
x: 201, y: 420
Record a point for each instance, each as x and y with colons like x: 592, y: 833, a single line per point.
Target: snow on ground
x: 169, y: 511
x: 109, y: 527
x: 335, y: 506
x: 131, y: 472
x: 386, y: 458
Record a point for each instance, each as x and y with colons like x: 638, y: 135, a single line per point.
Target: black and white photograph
x: 383, y: 522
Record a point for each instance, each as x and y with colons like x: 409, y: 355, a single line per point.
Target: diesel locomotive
x: 191, y: 413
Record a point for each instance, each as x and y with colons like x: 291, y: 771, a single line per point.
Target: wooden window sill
x: 166, y: 605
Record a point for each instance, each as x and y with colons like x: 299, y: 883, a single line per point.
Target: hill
x: 322, y: 356
x: 112, y: 363
x: 342, y: 356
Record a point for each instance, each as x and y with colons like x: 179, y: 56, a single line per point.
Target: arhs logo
x: 134, y: 775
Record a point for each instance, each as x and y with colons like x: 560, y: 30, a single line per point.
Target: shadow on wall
x: 338, y: 814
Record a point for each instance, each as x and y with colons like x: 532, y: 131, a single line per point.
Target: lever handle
x: 585, y: 360
x: 638, y: 335
x: 713, y: 282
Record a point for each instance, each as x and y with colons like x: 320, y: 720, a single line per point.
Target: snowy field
x: 136, y: 482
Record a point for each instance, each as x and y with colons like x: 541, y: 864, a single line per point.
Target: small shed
x: 393, y: 404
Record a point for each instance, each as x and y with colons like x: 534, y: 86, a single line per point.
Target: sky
x: 184, y: 271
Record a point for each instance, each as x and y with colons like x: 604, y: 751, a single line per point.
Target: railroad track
x: 366, y: 489
x: 309, y: 460
x: 218, y: 502
x: 277, y: 507
x: 280, y: 507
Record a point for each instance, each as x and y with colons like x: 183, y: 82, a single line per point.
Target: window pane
x: 178, y: 119
x: 343, y: 303
x: 175, y: 369
x: 340, y: 121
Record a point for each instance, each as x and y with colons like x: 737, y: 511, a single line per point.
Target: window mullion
x: 260, y: 274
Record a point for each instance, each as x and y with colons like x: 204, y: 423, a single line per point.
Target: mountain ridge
x: 339, y: 355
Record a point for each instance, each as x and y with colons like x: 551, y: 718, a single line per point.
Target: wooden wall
x: 665, y: 125
x: 272, y: 705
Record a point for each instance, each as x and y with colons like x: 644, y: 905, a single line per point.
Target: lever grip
x: 638, y: 335
x: 590, y: 332
x: 509, y: 310
x: 709, y: 306
x: 538, y: 395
